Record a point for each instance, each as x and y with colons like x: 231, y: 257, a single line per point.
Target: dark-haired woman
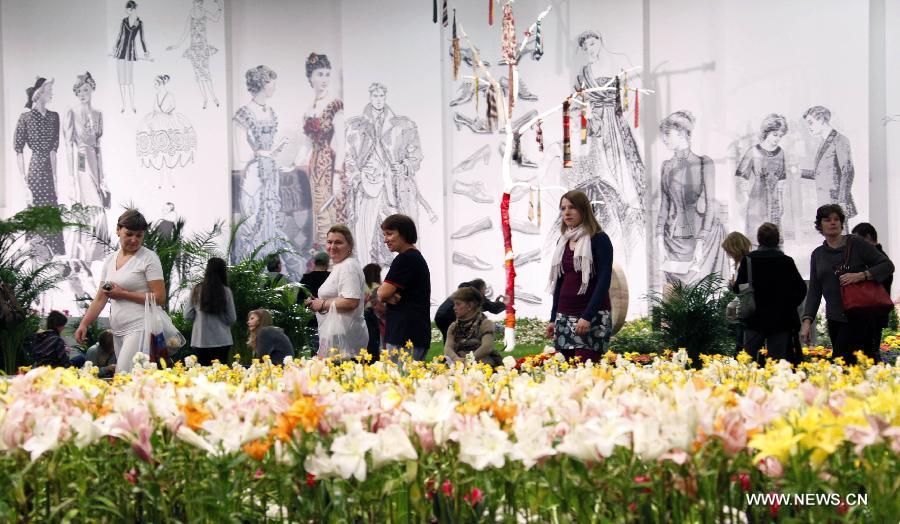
x: 211, y: 307
x: 580, y: 274
x: 849, y: 332
x: 322, y: 121
x: 869, y: 234
x: 129, y: 274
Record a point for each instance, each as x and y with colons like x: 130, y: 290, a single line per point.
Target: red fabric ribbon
x: 637, y: 108
x: 508, y: 262
x: 567, y: 139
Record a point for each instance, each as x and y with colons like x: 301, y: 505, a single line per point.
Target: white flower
x: 470, y: 358
x: 349, y: 451
x: 231, y: 433
x: 190, y: 361
x: 86, y: 431
x: 432, y: 410
x: 191, y: 437
x: 484, y: 445
x: 393, y: 445
x: 533, y: 440
x: 44, y: 438
x: 509, y: 362
x: 734, y: 515
x: 592, y: 440
x: 319, y: 463
x: 139, y: 359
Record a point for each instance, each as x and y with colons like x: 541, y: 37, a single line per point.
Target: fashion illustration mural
x: 383, y: 157
x: 199, y: 49
x: 38, y: 128
x: 763, y: 167
x: 165, y: 138
x: 687, y: 223
x: 125, y: 52
x: 832, y: 168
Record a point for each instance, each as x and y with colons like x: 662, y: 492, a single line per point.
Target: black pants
x: 443, y: 324
x: 205, y: 356
x: 374, y: 347
x: 854, y: 335
x: 777, y: 343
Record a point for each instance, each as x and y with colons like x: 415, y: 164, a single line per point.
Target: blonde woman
x: 736, y: 246
x: 256, y: 320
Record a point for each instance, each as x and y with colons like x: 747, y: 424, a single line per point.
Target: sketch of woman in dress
x: 125, y: 52
x: 82, y: 129
x: 199, y: 51
x: 255, y: 129
x: 323, y: 121
x: 165, y: 138
x: 38, y: 128
x: 690, y: 230
x: 764, y: 167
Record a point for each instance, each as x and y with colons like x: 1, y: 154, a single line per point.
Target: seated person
x: 272, y: 341
x: 444, y: 315
x: 103, y: 355
x: 48, y: 347
x: 472, y: 332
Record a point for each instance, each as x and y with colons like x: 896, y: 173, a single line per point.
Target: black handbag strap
x: 749, y: 270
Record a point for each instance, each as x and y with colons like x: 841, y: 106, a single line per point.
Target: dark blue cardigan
x: 602, y: 252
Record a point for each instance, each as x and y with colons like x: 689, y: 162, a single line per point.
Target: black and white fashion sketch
x: 199, y: 50
x: 38, y: 128
x: 691, y: 232
x: 384, y: 155
x: 82, y: 129
x: 763, y: 167
x: 255, y: 127
x: 833, y: 166
x: 131, y: 33
x: 165, y: 138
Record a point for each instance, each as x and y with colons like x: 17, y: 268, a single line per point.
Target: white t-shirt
x: 347, y: 281
x: 126, y: 316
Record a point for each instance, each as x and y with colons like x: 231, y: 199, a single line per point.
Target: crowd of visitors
x: 355, y: 310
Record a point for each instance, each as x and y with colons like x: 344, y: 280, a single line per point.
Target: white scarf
x: 583, y: 259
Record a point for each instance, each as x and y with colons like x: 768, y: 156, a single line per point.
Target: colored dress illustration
x: 766, y: 170
x: 328, y: 209
x: 40, y: 132
x: 82, y: 129
x: 200, y: 50
x: 260, y: 198
x: 165, y: 137
x: 127, y: 40
x: 687, y: 215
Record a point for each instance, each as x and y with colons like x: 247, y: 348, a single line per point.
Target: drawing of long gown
x: 41, y: 134
x: 165, y: 137
x: 82, y: 130
x: 200, y: 50
x: 765, y: 170
x: 686, y: 210
x: 320, y: 130
x: 260, y: 198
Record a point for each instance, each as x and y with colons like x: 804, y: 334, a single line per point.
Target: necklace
x: 264, y: 107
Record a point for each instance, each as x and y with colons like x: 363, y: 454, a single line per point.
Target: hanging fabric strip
x: 531, y: 204
x: 567, y: 139
x: 475, y: 74
x: 584, y: 129
x: 538, y: 42
x: 434, y: 12
x: 492, y: 113
x: 624, y: 91
x: 517, y: 148
x: 618, y: 97
x: 508, y: 262
x: 445, y: 18
x: 508, y: 50
x: 457, y: 55
x: 637, y: 108
x: 539, y: 206
x: 490, y: 12
x: 539, y: 135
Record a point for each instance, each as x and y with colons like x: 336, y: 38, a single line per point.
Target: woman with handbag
x: 778, y: 290
x: 845, y: 271
x: 211, y: 307
x: 339, y: 308
x: 129, y: 274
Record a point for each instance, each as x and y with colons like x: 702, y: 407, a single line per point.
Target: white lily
x: 349, y: 451
x: 44, y: 438
x: 393, y: 445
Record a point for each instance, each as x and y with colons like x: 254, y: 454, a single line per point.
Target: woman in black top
x: 848, y: 332
x: 869, y: 234
x: 778, y: 291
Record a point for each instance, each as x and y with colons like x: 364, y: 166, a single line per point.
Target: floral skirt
x: 596, y: 339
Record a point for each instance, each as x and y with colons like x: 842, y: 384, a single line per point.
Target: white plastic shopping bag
x: 332, y: 333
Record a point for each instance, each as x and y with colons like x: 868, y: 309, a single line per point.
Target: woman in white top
x: 128, y: 275
x: 344, y: 288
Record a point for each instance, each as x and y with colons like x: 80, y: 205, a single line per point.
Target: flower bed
x: 542, y: 442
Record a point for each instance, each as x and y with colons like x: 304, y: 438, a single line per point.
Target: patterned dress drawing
x: 165, y: 137
x: 82, y: 129
x: 766, y: 172
x: 200, y: 50
x: 127, y: 39
x: 328, y: 208
x: 260, y: 198
x: 40, y: 132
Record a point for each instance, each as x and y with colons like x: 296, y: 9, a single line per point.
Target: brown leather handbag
x: 867, y: 296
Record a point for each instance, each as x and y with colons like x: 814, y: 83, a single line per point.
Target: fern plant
x: 693, y: 317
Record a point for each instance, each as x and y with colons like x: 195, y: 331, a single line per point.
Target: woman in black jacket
x: 778, y: 291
